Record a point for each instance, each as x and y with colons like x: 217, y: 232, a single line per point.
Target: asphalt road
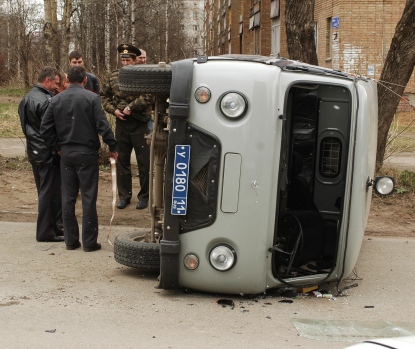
x: 10, y: 147
x: 53, y: 298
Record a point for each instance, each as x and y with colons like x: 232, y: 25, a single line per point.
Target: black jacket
x: 31, y: 110
x: 92, y: 83
x: 75, y: 118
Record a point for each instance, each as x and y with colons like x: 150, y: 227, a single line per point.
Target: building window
x: 195, y: 40
x: 257, y: 42
x: 328, y: 39
x: 181, y: 26
x: 275, y: 37
x: 195, y: 27
x: 255, y: 17
x: 275, y: 8
x: 195, y: 14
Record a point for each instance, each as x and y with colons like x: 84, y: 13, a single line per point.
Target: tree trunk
x: 300, y: 31
x: 66, y: 26
x: 395, y: 74
x: 50, y: 31
x: 107, y: 47
x: 132, y: 18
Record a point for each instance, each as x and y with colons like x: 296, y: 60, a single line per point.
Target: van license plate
x: 180, y: 179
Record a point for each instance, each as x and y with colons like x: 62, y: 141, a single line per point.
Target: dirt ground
x: 19, y: 197
x: 391, y: 216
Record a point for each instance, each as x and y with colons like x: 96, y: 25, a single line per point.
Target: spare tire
x: 146, y: 78
x: 132, y: 251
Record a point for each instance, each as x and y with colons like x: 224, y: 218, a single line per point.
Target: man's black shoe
x: 59, y: 233
x: 142, y: 204
x: 73, y: 247
x: 95, y: 247
x: 55, y: 239
x: 123, y: 203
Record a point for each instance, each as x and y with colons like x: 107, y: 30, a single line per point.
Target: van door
x: 312, y: 197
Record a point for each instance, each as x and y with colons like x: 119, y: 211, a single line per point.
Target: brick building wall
x: 358, y: 45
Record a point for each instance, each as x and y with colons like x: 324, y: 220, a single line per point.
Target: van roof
x: 283, y: 63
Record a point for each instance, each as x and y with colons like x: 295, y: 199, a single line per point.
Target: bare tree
x: 397, y: 70
x: 66, y: 25
x: 20, y: 41
x: 95, y: 27
x: 300, y: 30
x: 50, y: 32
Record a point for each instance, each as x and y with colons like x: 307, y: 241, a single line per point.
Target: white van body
x: 280, y: 171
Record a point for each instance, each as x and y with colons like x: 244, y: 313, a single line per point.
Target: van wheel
x: 145, y: 78
x: 132, y: 251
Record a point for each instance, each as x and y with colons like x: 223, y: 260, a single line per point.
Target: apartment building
x: 194, y: 24
x: 352, y: 36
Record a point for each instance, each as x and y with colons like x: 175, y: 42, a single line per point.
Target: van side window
x: 330, y: 151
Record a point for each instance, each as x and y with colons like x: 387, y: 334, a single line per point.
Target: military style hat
x: 127, y: 51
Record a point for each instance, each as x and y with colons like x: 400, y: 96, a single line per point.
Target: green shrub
x: 407, y: 178
x: 404, y: 179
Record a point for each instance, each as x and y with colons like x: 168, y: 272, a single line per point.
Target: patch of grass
x: 9, y: 120
x: 404, y: 179
x: 13, y: 91
x: 401, y: 134
x: 408, y: 178
x: 17, y: 163
x: 10, y: 97
x: 104, y: 168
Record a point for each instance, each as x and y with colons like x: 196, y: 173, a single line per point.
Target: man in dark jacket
x: 132, y: 114
x: 45, y: 163
x: 71, y: 126
x: 92, y: 82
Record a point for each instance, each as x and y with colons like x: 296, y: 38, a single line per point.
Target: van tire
x: 145, y: 78
x: 130, y: 250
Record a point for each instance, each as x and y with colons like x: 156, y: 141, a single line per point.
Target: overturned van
x: 263, y: 171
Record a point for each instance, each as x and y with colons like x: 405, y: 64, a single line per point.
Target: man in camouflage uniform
x: 132, y: 115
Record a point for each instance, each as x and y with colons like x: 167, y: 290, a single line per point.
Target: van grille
x: 201, y: 179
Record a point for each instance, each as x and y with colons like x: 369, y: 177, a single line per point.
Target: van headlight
x: 384, y: 185
x: 222, y: 257
x: 233, y: 105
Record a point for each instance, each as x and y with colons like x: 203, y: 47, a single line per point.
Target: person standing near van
x: 45, y: 163
x: 92, y: 83
x: 132, y: 115
x: 71, y: 126
x: 142, y: 58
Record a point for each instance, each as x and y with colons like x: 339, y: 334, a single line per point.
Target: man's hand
x: 114, y: 155
x: 127, y: 111
x: 119, y: 115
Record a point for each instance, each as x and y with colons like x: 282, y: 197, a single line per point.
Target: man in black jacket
x: 71, y: 126
x: 92, y: 82
x: 45, y: 163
